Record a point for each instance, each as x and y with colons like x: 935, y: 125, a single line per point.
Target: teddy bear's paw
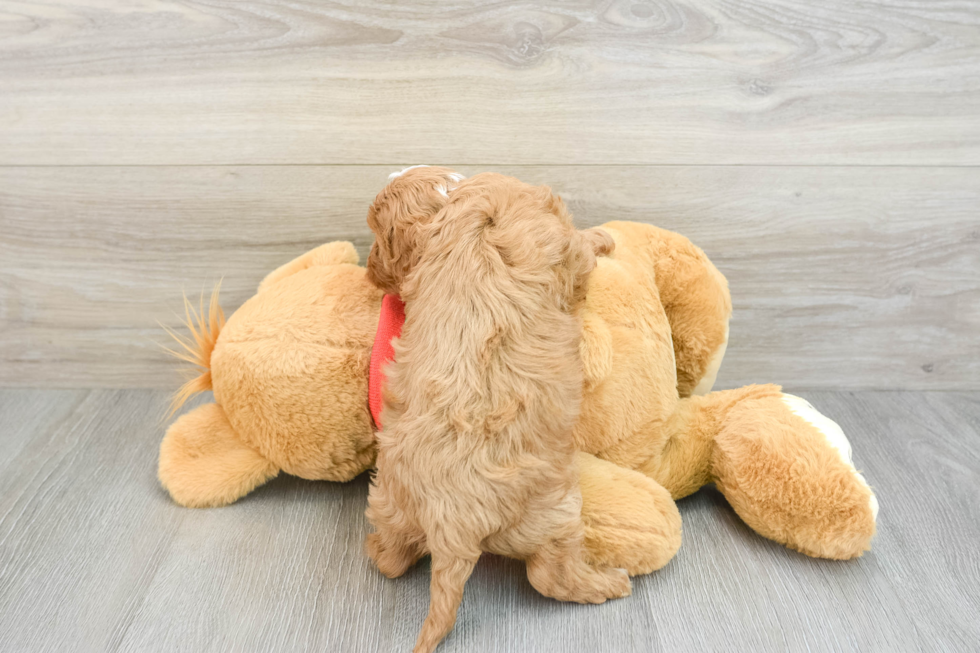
x: 596, y: 349
x: 834, y: 435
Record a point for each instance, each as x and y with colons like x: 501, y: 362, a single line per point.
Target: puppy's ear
x: 409, y: 201
x: 378, y: 272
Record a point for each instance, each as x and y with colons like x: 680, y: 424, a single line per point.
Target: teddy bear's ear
x: 335, y: 253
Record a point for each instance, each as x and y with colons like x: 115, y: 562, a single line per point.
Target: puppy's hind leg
x: 558, y: 568
x: 449, y: 575
x: 393, y: 553
x: 396, y: 544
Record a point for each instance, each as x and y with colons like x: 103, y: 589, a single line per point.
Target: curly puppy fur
x: 412, y: 199
x: 476, y: 453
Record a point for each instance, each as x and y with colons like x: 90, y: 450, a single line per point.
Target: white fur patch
x: 834, y: 434
x: 403, y: 171
x: 454, y: 177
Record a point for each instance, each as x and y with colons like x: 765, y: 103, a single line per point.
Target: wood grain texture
x: 612, y: 82
x: 840, y: 277
x: 95, y: 557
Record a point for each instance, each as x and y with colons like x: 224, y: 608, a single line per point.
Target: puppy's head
x: 409, y: 202
x: 531, y: 231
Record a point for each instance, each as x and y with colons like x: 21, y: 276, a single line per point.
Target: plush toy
x: 290, y: 375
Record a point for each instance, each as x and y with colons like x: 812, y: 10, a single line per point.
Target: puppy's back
x: 491, y: 339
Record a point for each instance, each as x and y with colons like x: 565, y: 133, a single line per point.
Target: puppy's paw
x: 604, y: 584
x: 619, y: 583
x: 372, y: 546
x: 602, y: 243
x: 392, y: 560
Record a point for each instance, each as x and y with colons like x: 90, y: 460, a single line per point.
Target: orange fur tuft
x: 204, y: 328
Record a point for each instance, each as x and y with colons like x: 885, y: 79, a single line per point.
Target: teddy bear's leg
x: 203, y: 462
x: 787, y: 471
x: 329, y: 254
x: 630, y: 521
x: 784, y: 468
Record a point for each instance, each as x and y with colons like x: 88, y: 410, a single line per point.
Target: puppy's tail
x: 196, y: 350
x: 449, y: 575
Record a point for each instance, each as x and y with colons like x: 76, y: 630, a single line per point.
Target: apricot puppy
x: 476, y: 449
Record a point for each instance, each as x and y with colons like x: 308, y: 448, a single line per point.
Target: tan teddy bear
x: 290, y: 370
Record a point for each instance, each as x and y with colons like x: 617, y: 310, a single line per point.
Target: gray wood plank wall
x: 825, y: 155
x: 621, y: 81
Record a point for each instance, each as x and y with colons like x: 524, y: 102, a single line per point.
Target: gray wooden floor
x: 95, y: 557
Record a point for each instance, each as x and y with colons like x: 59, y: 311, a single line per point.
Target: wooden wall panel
x: 623, y: 81
x: 841, y: 277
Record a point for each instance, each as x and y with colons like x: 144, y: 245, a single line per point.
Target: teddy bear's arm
x: 695, y: 298
x: 698, y: 306
x: 328, y: 254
